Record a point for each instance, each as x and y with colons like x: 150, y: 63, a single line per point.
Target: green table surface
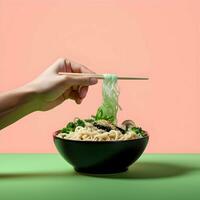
x: 48, y: 176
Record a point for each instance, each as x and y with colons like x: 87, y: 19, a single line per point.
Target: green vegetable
x: 64, y: 130
x: 108, y: 109
x: 71, y: 126
x: 138, y: 130
x: 80, y: 122
x: 102, y: 115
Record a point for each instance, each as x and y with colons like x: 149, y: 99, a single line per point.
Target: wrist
x: 31, y: 97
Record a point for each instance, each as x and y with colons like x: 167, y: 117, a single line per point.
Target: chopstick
x: 100, y: 76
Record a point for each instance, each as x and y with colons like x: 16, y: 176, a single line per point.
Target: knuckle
x: 60, y: 60
x: 67, y: 61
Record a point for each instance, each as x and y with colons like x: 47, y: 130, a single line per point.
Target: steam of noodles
x: 102, y: 127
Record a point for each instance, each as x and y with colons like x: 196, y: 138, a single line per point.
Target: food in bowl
x: 100, y: 130
x: 103, y: 126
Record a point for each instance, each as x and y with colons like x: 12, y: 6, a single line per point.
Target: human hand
x: 52, y: 89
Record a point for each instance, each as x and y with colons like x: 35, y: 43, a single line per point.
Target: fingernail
x: 78, y: 101
x: 93, y: 81
x: 83, y: 92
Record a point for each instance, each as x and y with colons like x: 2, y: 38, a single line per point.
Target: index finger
x: 79, y: 68
x: 85, y: 69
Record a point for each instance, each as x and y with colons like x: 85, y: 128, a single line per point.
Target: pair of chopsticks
x: 100, y: 76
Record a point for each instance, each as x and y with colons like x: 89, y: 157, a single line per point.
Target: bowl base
x: 100, y: 171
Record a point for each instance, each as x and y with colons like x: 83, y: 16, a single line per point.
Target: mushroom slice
x: 128, y: 124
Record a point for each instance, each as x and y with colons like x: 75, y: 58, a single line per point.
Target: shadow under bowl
x: 100, y: 157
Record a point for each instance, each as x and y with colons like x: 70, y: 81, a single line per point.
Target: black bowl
x: 99, y: 157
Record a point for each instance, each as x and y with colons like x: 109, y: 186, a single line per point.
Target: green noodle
x: 108, y: 109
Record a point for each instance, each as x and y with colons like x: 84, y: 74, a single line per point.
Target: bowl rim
x: 88, y: 141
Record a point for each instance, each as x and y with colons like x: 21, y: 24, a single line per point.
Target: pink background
x: 154, y: 38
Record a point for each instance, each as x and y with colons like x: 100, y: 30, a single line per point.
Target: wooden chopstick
x: 100, y: 76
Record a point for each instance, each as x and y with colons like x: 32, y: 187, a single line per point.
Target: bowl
x: 100, y: 157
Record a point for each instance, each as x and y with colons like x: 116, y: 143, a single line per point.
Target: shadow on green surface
x: 149, y: 170
x: 37, y: 175
x: 140, y: 170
